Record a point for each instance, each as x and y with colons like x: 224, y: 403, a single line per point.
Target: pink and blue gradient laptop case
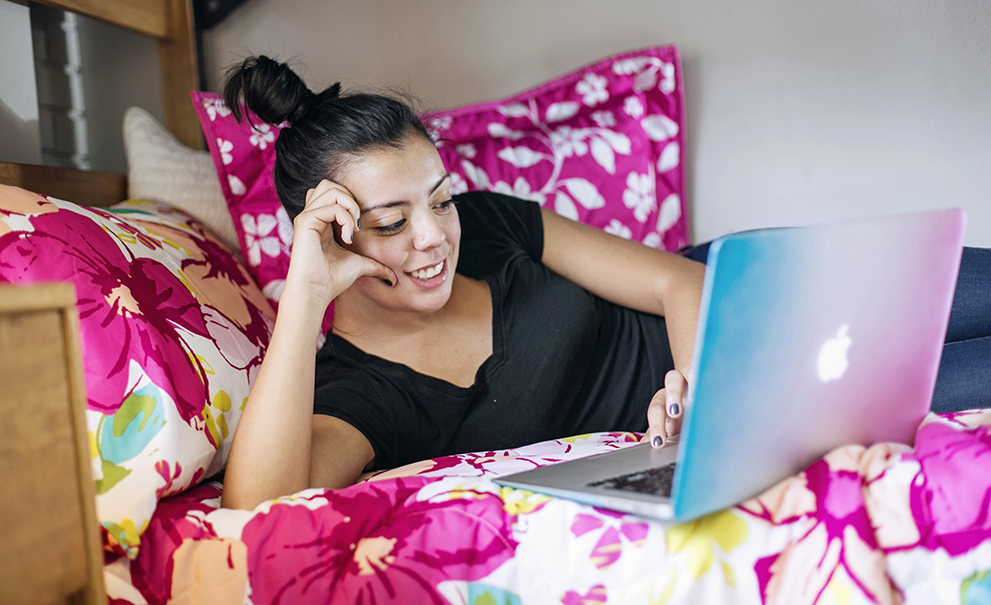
x: 808, y: 338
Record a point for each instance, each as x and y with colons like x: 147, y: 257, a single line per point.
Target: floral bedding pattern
x: 885, y: 524
x: 172, y: 332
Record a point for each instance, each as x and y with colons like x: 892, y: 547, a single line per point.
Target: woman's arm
x: 279, y: 447
x: 639, y: 277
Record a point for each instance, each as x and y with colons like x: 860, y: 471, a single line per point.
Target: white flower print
x: 604, y: 119
x: 569, y: 141
x: 262, y: 136
x: 458, y: 184
x: 616, y: 227
x: 259, y: 237
x: 521, y: 189
x: 285, y: 227
x: 670, y: 212
x: 466, y: 151
x: 273, y: 289
x: 225, y: 147
x: 633, y: 107
x: 440, y: 123
x: 639, y: 195
x: 216, y: 107
x: 593, y: 89
x: 236, y: 185
x: 653, y: 240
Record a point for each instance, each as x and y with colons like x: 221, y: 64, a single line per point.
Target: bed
x: 174, y: 301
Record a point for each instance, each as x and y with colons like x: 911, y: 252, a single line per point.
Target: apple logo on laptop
x: 833, y: 360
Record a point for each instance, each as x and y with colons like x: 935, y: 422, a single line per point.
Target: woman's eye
x: 444, y: 206
x: 393, y: 228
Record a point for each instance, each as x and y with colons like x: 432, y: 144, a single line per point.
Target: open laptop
x: 808, y: 339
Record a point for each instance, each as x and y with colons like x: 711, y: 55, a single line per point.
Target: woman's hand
x: 319, y: 262
x: 665, y: 410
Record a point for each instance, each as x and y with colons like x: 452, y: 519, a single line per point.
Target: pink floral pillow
x: 172, y: 331
x: 603, y: 145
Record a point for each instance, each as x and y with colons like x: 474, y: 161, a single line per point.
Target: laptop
x: 808, y: 338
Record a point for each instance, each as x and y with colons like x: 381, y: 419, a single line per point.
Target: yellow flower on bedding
x: 697, y: 537
x: 521, y: 502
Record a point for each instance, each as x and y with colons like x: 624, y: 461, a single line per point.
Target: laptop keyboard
x: 651, y: 481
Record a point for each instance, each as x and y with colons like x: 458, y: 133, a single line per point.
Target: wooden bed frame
x: 49, y: 535
x: 171, y: 23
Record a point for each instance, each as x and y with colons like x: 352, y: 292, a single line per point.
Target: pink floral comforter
x: 886, y: 524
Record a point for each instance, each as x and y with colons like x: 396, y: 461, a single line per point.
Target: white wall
x: 799, y: 111
x: 20, y: 138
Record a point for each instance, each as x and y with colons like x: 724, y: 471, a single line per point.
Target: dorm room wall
x: 798, y: 112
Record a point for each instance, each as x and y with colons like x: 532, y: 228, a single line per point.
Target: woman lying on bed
x: 478, y: 322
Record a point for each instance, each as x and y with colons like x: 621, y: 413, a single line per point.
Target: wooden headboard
x: 171, y: 23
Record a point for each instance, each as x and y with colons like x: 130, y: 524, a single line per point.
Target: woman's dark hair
x: 326, y: 131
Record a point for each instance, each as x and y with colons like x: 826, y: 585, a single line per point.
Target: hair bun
x: 270, y: 89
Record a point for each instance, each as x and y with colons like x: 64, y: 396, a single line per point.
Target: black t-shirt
x: 564, y: 361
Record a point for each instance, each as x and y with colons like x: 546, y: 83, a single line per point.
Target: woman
x: 478, y: 325
x: 437, y: 299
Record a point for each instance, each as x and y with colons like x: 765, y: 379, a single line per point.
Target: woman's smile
x: 431, y: 276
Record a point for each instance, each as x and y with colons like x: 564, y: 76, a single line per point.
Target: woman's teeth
x: 429, y: 272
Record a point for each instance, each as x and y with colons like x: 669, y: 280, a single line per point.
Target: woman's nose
x: 429, y: 234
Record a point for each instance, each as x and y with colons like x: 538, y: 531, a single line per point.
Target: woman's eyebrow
x: 440, y: 182
x: 385, y: 205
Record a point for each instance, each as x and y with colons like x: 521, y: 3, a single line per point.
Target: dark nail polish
x: 658, y: 441
x: 387, y: 282
x: 357, y: 224
x: 674, y: 409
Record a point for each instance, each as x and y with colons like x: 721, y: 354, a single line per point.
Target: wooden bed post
x: 49, y: 535
x: 177, y: 54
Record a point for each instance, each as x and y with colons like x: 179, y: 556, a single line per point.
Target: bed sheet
x: 885, y: 524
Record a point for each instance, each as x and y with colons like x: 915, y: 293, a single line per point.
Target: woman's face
x: 408, y: 223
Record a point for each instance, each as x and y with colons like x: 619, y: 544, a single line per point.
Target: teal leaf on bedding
x: 484, y: 594
x: 976, y: 589
x: 134, y: 425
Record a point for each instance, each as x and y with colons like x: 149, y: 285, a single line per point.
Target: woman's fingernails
x: 387, y: 282
x: 658, y: 441
x: 357, y: 224
x: 674, y: 409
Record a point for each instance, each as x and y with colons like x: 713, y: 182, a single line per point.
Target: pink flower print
x: 639, y: 195
x: 225, y: 147
x: 633, y: 107
x: 372, y: 554
x: 593, y: 89
x: 950, y: 495
x: 616, y: 227
x: 374, y: 543
x: 604, y: 119
x: 260, y: 235
x: 130, y: 310
x: 596, y: 595
x: 610, y: 544
x: 216, y: 107
x: 262, y: 136
x: 836, y: 532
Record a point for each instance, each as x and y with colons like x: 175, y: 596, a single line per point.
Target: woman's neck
x: 357, y: 317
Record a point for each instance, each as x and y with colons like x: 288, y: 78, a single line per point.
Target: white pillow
x: 161, y: 168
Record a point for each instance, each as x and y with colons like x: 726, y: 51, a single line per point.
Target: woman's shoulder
x: 500, y: 220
